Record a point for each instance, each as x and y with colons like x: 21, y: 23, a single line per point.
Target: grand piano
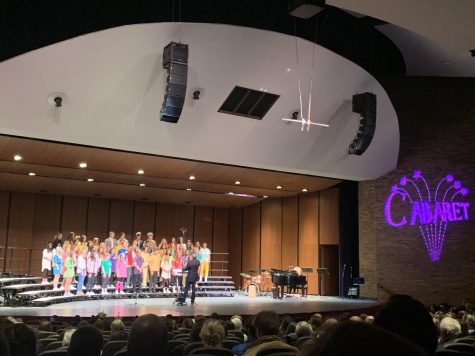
x: 291, y: 279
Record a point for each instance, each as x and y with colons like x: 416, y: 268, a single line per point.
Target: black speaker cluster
x: 175, y: 61
x: 364, y: 105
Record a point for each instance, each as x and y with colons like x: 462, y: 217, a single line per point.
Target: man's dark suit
x: 191, y: 279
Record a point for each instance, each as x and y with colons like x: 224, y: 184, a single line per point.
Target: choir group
x: 134, y: 265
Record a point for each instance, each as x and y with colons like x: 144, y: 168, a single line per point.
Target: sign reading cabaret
x: 429, y: 210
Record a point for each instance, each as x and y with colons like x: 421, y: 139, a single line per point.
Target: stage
x: 238, y: 304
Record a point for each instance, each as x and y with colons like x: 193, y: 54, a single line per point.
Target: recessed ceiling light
x: 140, y: 171
x: 90, y: 179
x: 142, y: 184
x: 231, y: 193
x: 265, y: 196
x: 304, y: 190
x: 192, y: 177
x: 279, y: 187
x: 188, y: 189
x: 237, y: 182
x: 83, y: 165
x: 289, y: 69
x: 32, y: 174
x: 17, y: 157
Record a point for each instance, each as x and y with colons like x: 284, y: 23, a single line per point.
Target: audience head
x: 360, y: 339
x: 44, y: 325
x: 212, y: 333
x: 117, y: 325
x: 408, y: 318
x: 148, y: 336
x: 196, y: 329
x: 266, y: 323
x: 303, y: 329
x: 21, y: 340
x: 449, y: 328
x: 86, y: 340
x: 67, y: 337
x: 237, y: 322
x: 187, y: 323
x: 4, y: 348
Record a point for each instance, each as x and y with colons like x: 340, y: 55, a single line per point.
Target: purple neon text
x: 424, y: 213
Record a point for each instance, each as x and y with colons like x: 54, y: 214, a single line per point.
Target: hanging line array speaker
x: 364, y: 105
x: 175, y: 61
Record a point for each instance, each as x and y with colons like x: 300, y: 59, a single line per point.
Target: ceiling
x: 113, y: 85
x: 115, y: 175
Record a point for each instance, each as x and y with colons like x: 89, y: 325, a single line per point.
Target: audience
x: 148, y: 336
x: 117, y: 331
x: 303, y: 329
x: 21, y: 340
x: 212, y: 333
x: 4, y: 348
x: 449, y: 330
x: 67, y: 337
x: 44, y: 325
x: 86, y: 340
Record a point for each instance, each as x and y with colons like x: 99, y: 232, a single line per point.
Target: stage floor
x: 205, y: 306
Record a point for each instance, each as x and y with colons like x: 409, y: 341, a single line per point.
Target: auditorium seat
x: 54, y: 345
x: 174, y: 343
x: 469, y: 349
x: 466, y: 340
x: 276, y: 350
x: 216, y: 351
x: 111, y: 347
x: 229, y: 344
x: 191, y: 346
x: 60, y: 352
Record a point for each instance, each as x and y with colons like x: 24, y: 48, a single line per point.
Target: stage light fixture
x: 192, y: 177
x: 32, y: 174
x: 17, y: 157
x: 304, y: 190
x: 237, y: 182
x: 279, y: 187
x: 188, y: 189
x: 90, y: 180
x: 140, y: 171
x: 83, y: 165
x: 142, y: 184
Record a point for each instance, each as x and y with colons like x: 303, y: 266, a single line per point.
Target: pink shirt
x: 121, y: 269
x: 93, y: 265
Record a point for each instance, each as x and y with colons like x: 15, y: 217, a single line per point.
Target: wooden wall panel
x: 290, y: 231
x: 47, y: 220
x: 271, y: 233
x: 220, y: 230
x: 203, y: 225
x: 308, y: 236
x: 4, y: 210
x: 329, y: 225
x: 235, y: 245
x: 20, y: 232
x: 121, y: 216
x: 164, y: 223
x: 74, y: 216
x: 144, y: 218
x: 98, y: 218
x: 251, y: 237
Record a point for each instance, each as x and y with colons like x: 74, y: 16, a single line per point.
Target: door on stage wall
x: 329, y: 257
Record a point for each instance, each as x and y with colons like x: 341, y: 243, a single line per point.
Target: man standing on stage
x: 111, y: 242
x: 192, y: 268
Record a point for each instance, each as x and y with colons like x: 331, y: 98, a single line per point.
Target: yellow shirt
x: 154, y: 262
x: 146, y: 259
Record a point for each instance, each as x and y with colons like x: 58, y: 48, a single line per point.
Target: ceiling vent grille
x: 248, y: 103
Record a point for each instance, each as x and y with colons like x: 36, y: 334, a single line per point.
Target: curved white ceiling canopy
x: 445, y: 21
x: 114, y: 84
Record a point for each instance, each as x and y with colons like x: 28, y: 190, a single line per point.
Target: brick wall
x: 437, y: 125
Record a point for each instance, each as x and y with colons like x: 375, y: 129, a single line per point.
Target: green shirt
x: 106, y: 266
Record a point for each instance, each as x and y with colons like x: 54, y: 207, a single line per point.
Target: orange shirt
x: 154, y: 262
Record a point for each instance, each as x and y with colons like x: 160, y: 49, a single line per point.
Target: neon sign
x: 430, y: 210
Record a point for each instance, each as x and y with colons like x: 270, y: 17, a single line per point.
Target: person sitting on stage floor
x: 137, y: 271
x: 267, y: 330
x: 148, y: 336
x: 212, y: 333
x: 86, y: 340
x: 192, y: 268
